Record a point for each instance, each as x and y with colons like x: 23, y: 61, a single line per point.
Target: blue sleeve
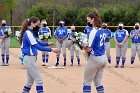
x: 131, y: 32
x: 56, y: 32
x: 85, y: 31
x: 66, y: 32
x: 39, y: 33
x: 1, y: 34
x: 41, y: 48
x: 42, y: 43
x: 110, y: 33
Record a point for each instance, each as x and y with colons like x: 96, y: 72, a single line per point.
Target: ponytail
x: 25, y: 26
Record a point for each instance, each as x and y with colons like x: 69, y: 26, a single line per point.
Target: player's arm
x: 132, y: 35
x: 56, y: 38
x: 91, y: 41
x: 55, y: 35
x: 109, y: 36
x: 66, y: 35
x: 64, y: 38
x: 115, y: 40
x: 126, y: 37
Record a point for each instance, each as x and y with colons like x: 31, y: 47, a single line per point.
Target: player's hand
x: 88, y: 49
x: 120, y: 44
x: 56, y: 51
x: 2, y: 37
x: 51, y: 43
x: 61, y: 41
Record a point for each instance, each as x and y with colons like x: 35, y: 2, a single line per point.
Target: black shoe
x: 56, y: 64
x: 122, y: 66
x: 64, y: 64
x: 116, y: 66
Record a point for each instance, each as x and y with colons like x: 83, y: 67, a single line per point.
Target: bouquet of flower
x: 45, y: 35
x: 6, y: 32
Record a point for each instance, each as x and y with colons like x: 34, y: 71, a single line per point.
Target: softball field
x: 69, y: 79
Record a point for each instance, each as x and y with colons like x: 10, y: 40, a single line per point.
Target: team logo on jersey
x: 61, y: 31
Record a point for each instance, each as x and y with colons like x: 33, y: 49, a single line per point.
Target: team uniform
x: 42, y: 31
x: 96, y: 62
x: 5, y: 44
x: 121, y: 50
x: 135, y: 46
x: 29, y: 48
x: 107, y: 44
x: 73, y: 49
x: 87, y: 31
x: 60, y: 33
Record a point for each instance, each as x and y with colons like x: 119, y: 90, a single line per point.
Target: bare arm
x: 124, y: 39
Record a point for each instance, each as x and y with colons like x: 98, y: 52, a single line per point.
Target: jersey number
x: 102, y: 39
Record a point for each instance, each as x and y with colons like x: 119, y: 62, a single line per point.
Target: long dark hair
x: 25, y: 25
x: 97, y: 19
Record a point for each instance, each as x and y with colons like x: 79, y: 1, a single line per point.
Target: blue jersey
x: 87, y: 31
x: 61, y: 32
x: 5, y: 28
x: 96, y: 41
x: 70, y: 35
x: 136, y: 38
x: 107, y: 33
x: 27, y: 43
x: 120, y: 35
x: 44, y: 30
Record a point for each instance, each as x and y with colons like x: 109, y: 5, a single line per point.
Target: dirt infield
x: 69, y: 80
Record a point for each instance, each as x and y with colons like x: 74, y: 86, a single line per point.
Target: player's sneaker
x: 71, y: 65
x: 46, y: 64
x: 56, y: 64
x: 3, y: 64
x: 116, y: 66
x: 79, y: 64
x: 6, y: 64
x: 109, y: 65
x: 64, y: 64
x: 122, y: 66
x: 131, y: 66
x: 43, y: 64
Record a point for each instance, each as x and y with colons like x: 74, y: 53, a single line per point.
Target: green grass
x: 14, y: 43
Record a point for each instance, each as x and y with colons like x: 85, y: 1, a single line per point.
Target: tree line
x: 71, y: 11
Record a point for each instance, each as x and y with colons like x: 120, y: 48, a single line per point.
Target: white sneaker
x: 131, y: 66
x: 6, y: 64
x: 46, y: 64
x: 109, y: 65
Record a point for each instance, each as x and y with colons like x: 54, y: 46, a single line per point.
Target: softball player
x: 44, y: 30
x: 5, y: 42
x: 29, y: 46
x: 135, y: 46
x: 61, y: 36
x: 96, y: 60
x: 88, y: 29
x: 121, y: 41
x: 73, y: 47
x: 107, y: 42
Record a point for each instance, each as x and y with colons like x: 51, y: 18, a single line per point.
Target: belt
x: 30, y: 55
x: 97, y: 55
x: 136, y: 42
